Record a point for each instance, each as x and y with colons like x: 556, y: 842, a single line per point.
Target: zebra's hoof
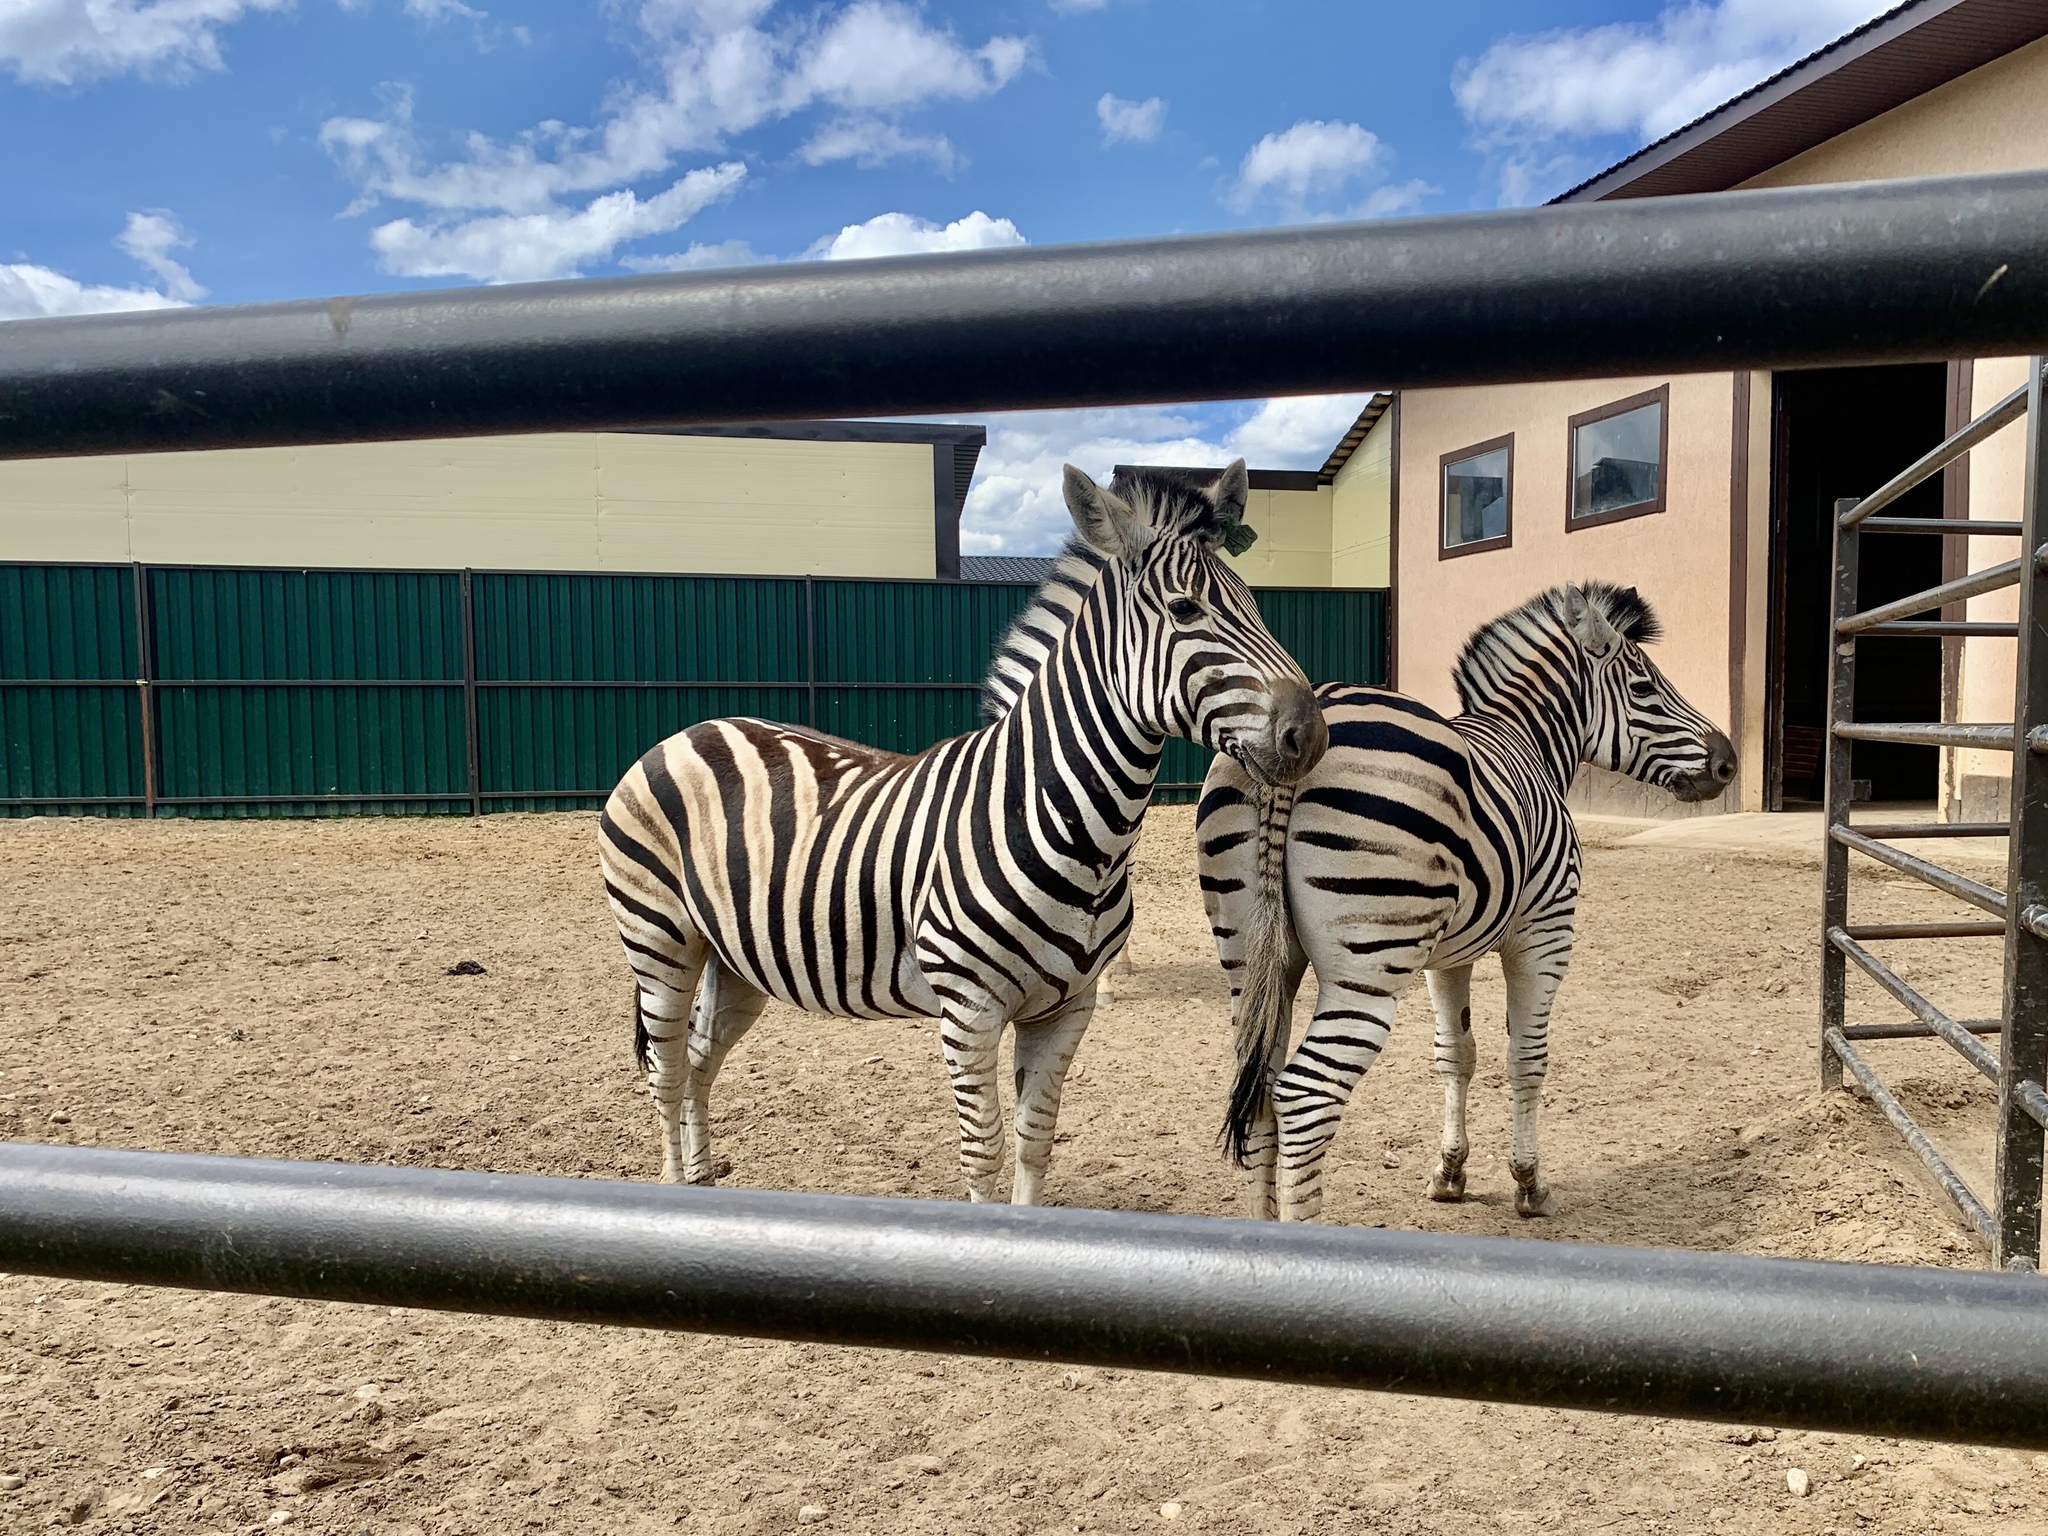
x: 720, y: 1167
x: 1535, y: 1200
x: 1445, y: 1185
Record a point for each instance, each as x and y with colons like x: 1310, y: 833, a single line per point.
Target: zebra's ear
x: 1588, y: 624
x: 1106, y: 524
x: 1228, y: 491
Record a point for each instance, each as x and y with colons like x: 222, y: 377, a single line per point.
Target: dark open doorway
x: 1843, y: 432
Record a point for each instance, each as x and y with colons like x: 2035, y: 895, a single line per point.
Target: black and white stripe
x: 983, y: 882
x: 1421, y: 844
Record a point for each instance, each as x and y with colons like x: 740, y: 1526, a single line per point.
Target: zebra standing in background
x: 983, y: 882
x: 1421, y: 843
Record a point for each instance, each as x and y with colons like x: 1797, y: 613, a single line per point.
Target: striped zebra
x: 1421, y: 843
x: 983, y: 882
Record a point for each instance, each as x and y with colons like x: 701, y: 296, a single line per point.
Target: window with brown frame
x: 1475, y: 489
x: 1617, y: 455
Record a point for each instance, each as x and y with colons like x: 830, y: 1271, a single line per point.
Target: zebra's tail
x: 1263, y: 1001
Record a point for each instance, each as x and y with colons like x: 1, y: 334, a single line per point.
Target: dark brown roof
x: 1883, y: 64
x: 1347, y: 445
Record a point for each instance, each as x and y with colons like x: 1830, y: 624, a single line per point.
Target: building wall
x: 558, y: 501
x: 1677, y: 558
x: 1293, y: 549
x: 1361, y: 504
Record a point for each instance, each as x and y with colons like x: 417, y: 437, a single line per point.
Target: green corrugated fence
x: 140, y: 690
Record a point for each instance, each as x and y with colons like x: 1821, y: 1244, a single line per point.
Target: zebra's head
x: 1637, y: 723
x: 1194, y: 658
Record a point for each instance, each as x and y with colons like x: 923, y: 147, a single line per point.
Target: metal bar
x: 1962, y: 887
x: 309, y: 682
x: 1858, y: 1348
x: 1918, y: 1031
x: 2020, y: 1147
x: 145, y: 671
x: 1798, y: 276
x: 366, y: 798
x: 1985, y: 629
x: 1991, y: 579
x: 1985, y: 738
x: 1950, y: 1181
x: 1948, y: 528
x: 1839, y: 794
x: 1932, y: 462
x: 1965, y: 1043
x: 1952, y: 930
x: 470, y: 743
x: 1889, y: 830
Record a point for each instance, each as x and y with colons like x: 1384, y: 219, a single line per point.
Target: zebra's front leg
x: 971, y: 1042
x: 726, y: 1009
x: 1352, y: 1020
x: 1532, y: 983
x: 1045, y: 1049
x: 1450, y: 994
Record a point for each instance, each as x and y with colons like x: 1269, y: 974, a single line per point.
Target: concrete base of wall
x: 1597, y: 792
x: 1984, y: 797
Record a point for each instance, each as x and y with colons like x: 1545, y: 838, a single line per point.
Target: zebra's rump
x: 795, y: 855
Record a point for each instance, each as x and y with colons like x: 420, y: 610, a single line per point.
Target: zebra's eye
x: 1185, y: 610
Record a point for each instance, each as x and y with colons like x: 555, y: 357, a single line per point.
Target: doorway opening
x: 1840, y: 432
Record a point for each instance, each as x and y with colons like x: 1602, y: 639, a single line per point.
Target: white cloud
x: 149, y: 239
x: 727, y: 253
x: 719, y: 70
x: 899, y: 234
x: 433, y: 12
x: 68, y: 42
x: 1130, y: 122
x: 1078, y: 7
x: 1528, y: 97
x: 28, y: 291
x: 873, y: 141
x: 1015, y: 507
x: 1307, y: 167
x: 532, y: 247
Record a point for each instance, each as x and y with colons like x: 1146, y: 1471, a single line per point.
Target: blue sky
x: 230, y: 151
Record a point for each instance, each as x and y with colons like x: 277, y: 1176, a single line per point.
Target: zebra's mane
x: 1499, y: 649
x: 1174, y: 501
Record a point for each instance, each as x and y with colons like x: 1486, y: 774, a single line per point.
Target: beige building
x: 1711, y: 492
x: 804, y: 498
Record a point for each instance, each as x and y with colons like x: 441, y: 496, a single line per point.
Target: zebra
x: 983, y: 882
x: 1421, y: 843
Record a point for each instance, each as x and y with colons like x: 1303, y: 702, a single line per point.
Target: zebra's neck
x: 1533, y: 686
x: 1086, y: 763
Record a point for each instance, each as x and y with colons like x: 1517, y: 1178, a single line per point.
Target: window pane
x: 1476, y: 498
x: 1615, y: 462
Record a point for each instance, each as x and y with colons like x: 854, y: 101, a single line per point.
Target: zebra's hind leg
x: 1262, y: 1144
x: 662, y: 1042
x: 1044, y: 1049
x: 971, y: 1042
x: 1532, y: 981
x: 1450, y: 993
x: 1353, y: 1018
x: 726, y: 1009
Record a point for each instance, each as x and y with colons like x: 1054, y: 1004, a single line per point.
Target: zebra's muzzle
x: 1293, y: 741
x: 1716, y: 776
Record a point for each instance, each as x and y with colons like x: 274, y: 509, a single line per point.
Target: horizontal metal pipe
x: 1982, y: 629
x: 1966, y: 1044
x: 783, y: 684
x: 1933, y: 829
x: 1928, y: 1353
x: 1916, y: 1031
x: 1976, y: 584
x: 1950, y: 930
x: 1888, y: 1104
x: 1930, y: 463
x: 1989, y: 738
x: 1776, y: 278
x: 1962, y: 887
x: 1946, y: 527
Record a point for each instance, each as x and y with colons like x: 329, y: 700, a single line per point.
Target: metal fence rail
x: 1777, y: 278
x: 2009, y: 1223
x: 1939, y: 1354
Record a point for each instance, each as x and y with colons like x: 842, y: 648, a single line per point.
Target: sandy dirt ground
x: 282, y: 990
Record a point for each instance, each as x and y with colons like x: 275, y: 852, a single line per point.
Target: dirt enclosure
x: 283, y: 990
